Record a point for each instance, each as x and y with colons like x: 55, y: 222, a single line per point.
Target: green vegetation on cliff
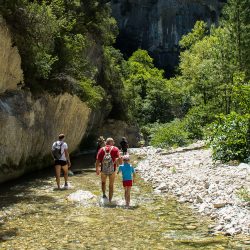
x: 212, y: 85
x: 63, y: 46
x: 68, y: 46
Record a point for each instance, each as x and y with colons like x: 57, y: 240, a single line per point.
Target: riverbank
x: 34, y: 215
x: 211, y: 189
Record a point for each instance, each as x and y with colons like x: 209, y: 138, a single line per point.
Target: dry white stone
x: 191, y: 175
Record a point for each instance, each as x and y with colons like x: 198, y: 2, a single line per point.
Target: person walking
x: 61, y: 160
x: 124, y: 145
x: 106, y: 162
x: 100, y: 143
x: 128, y: 177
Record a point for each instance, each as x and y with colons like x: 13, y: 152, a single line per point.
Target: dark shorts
x: 127, y: 183
x: 124, y: 150
x: 60, y: 162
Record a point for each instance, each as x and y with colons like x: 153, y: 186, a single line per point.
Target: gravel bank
x: 190, y: 174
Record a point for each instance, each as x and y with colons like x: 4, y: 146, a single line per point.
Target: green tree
x: 199, y: 31
x: 236, y: 19
x: 146, y: 89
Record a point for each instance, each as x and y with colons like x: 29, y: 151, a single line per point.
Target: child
x: 127, y: 171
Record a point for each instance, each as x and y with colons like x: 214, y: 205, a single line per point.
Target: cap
x: 125, y: 157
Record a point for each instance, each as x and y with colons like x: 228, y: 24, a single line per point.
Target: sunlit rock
x: 11, y: 73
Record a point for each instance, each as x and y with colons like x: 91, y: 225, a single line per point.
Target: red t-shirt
x: 114, y: 153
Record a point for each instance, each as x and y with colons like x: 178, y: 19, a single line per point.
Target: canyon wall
x: 158, y: 25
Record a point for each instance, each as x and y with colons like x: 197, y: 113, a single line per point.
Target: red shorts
x: 127, y: 183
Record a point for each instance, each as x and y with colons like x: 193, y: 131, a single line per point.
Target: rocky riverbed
x: 210, y: 188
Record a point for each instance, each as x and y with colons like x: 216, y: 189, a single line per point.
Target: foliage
x: 146, y: 90
x: 74, y: 39
x: 228, y: 137
x: 215, y: 65
x: 236, y: 20
x: 93, y: 94
x: 180, y: 96
x: 169, y: 134
x: 58, y: 37
x: 198, y: 32
x: 195, y: 121
x: 36, y: 29
x: 244, y: 194
x: 73, y: 52
x: 112, y: 75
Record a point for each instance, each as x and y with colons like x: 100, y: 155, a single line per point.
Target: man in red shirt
x: 113, y: 151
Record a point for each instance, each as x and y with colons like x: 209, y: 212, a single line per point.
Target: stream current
x: 33, y: 215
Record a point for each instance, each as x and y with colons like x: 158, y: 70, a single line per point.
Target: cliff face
x: 10, y: 61
x: 29, y: 125
x: 158, y: 25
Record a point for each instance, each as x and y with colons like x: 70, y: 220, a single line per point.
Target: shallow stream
x: 33, y: 215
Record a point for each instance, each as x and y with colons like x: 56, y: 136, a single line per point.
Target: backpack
x: 57, y: 151
x: 107, y: 163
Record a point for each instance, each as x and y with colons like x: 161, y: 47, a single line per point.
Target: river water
x: 33, y: 215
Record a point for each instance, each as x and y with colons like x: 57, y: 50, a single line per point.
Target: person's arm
x: 97, y: 167
x: 67, y: 157
x: 118, y: 159
x: 52, y: 148
x: 133, y: 170
x: 119, y: 170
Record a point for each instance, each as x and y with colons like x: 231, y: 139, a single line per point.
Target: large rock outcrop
x: 30, y: 124
x: 158, y: 25
x: 10, y: 61
x: 118, y: 129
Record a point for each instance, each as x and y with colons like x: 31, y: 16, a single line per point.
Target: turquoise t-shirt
x: 127, y: 171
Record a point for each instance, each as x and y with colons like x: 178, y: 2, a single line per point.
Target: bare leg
x: 125, y: 195
x: 111, y: 186
x: 58, y: 173
x: 65, y: 171
x: 103, y: 179
x: 128, y: 196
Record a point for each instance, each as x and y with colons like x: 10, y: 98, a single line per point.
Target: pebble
x: 193, y: 177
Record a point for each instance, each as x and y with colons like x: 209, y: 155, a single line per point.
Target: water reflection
x: 35, y: 216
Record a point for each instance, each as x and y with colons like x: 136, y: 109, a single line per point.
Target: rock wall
x: 158, y: 25
x: 118, y: 129
x: 29, y: 126
x: 10, y: 61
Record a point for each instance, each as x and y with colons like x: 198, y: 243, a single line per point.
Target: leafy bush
x: 244, y: 194
x: 229, y: 137
x: 92, y: 94
x: 169, y: 135
x: 195, y: 121
x: 146, y: 90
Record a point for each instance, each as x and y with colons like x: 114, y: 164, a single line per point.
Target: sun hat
x: 125, y: 157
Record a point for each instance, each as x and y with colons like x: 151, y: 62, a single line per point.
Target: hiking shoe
x: 66, y: 186
x: 104, y: 196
